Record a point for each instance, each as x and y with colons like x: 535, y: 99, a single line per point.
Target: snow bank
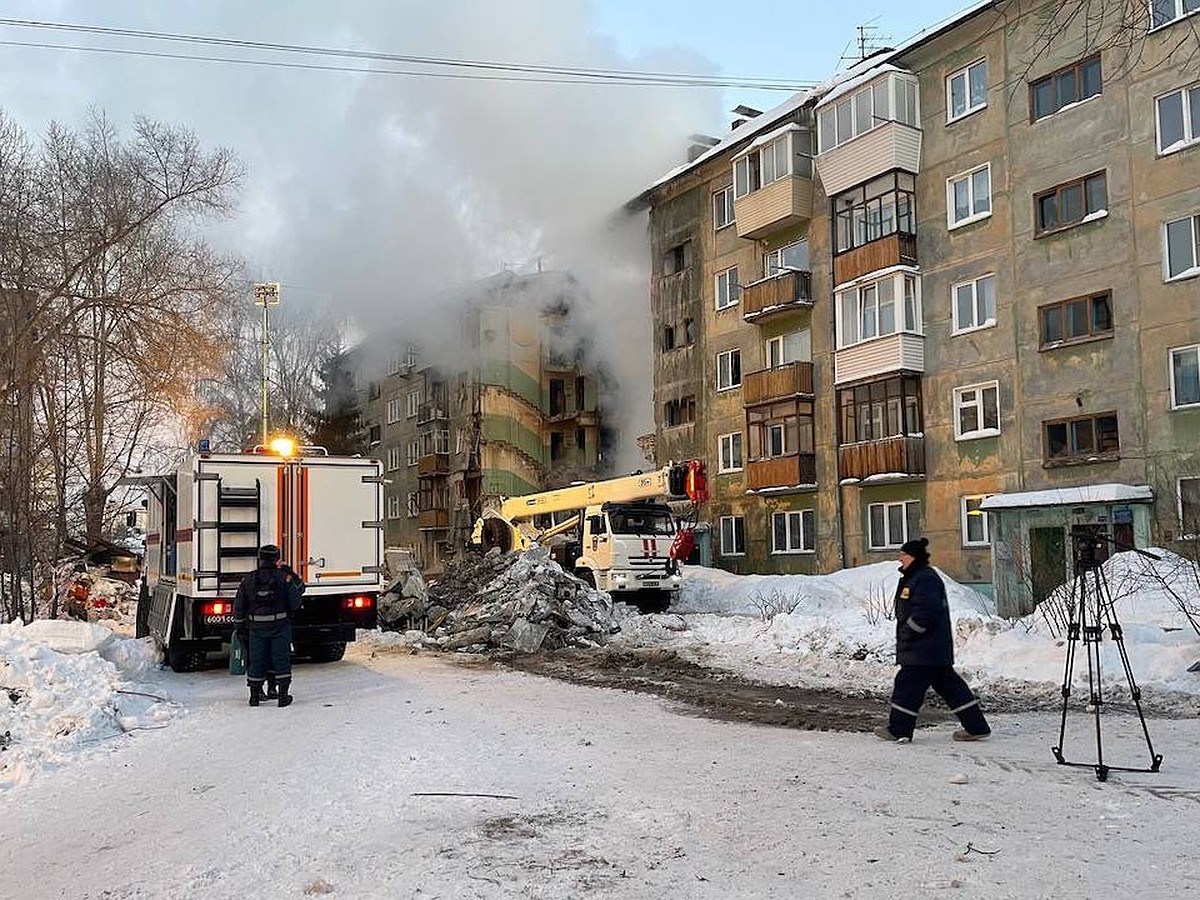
x: 65, y: 688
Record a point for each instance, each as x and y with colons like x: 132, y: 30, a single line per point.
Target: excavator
x: 618, y: 535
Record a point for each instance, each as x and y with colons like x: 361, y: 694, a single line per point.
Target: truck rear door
x: 341, y: 518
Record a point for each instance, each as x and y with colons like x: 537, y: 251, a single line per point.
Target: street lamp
x: 266, y: 295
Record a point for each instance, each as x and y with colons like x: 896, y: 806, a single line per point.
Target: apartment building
x: 951, y: 292
x: 510, y: 406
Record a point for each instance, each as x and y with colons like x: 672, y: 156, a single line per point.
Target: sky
x: 369, y: 195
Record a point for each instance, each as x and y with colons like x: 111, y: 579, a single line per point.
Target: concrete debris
x: 518, y: 601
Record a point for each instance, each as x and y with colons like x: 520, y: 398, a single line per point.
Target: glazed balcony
x: 900, y: 352
x: 897, y: 249
x: 892, y: 145
x: 781, y: 383
x: 901, y: 456
x: 781, y: 472
x: 776, y: 294
x: 431, y: 412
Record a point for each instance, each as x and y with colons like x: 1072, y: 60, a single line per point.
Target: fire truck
x: 207, y: 520
x: 619, y: 535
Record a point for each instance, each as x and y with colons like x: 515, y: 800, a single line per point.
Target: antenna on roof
x: 868, y: 42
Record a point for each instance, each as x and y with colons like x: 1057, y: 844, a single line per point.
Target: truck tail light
x: 359, y: 601
x: 217, y: 608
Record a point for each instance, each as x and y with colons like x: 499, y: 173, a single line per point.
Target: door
x: 339, y: 524
x: 1048, y: 561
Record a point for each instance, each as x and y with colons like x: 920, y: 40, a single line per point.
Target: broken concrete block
x: 526, y: 636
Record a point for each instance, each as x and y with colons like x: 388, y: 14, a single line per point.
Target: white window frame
x: 973, y: 283
x: 1180, y: 14
x: 1191, y: 129
x: 393, y: 506
x: 893, y: 541
x: 965, y: 518
x: 412, y: 404
x: 723, y: 201
x: 1195, y: 349
x: 900, y: 311
x: 968, y: 176
x: 771, y: 151
x: 965, y: 73
x: 393, y: 411
x: 806, y: 540
x: 726, y: 282
x: 729, y: 355
x: 1194, y: 269
x: 736, y: 524
x: 896, y: 111
x: 727, y: 460
x: 393, y: 458
x: 412, y: 452
x: 977, y: 403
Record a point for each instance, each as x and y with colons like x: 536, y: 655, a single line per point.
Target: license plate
x: 217, y: 620
x: 649, y: 584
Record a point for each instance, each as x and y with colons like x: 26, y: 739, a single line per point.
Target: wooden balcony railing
x: 780, y: 383
x: 897, y: 249
x: 903, y: 455
x: 779, y: 293
x: 434, y: 518
x: 792, y: 470
x: 434, y: 464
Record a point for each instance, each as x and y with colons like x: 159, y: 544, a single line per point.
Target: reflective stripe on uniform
x: 273, y: 617
x: 959, y: 709
x: 907, y: 712
x: 919, y: 629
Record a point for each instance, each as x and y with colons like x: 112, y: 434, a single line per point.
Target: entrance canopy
x: 1070, y: 496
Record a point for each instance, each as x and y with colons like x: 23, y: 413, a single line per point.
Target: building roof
x: 1071, y: 496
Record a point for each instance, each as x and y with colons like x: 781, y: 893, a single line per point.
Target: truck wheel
x: 323, y: 653
x: 141, y: 621
x: 182, y: 658
x: 653, y: 601
x: 587, y: 576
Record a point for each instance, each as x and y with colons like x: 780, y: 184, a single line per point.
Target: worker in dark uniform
x: 925, y: 652
x: 266, y: 600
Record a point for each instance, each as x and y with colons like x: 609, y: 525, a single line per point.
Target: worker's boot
x: 285, y: 685
x: 272, y: 689
x: 256, y: 693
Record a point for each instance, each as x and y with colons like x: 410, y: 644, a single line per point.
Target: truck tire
x: 141, y: 621
x: 323, y: 653
x: 587, y: 576
x: 183, y: 658
x: 653, y: 601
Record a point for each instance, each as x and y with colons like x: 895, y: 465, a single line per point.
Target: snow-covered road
x: 617, y: 795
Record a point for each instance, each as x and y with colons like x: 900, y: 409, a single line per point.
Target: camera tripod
x: 1091, y: 612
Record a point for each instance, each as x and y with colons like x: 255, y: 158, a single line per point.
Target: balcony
x: 902, y: 456
x: 781, y: 472
x: 783, y: 203
x: 434, y: 518
x: 901, y: 352
x: 779, y: 293
x: 896, y: 249
x: 431, y: 412
x: 781, y: 383
x: 893, y: 145
x: 433, y: 464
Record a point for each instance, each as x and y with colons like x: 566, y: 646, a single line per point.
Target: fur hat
x: 268, y: 553
x: 918, y: 548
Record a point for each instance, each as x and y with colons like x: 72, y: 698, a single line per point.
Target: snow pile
x: 65, y: 688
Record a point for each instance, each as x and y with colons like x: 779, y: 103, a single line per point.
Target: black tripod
x: 1091, y: 612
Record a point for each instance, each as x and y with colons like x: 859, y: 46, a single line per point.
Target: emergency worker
x: 266, y: 600
x: 925, y: 652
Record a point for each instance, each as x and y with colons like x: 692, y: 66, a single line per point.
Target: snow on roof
x: 852, y: 84
x: 1070, y: 496
x: 763, y: 139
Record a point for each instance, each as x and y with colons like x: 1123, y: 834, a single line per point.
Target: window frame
x: 1092, y: 335
x: 393, y: 411
x: 1190, y: 127
x: 728, y: 439
x: 735, y: 353
x: 900, y: 278
x: 412, y: 452
x: 1180, y: 15
x: 393, y: 506
x: 885, y: 401
x: 965, y: 72
x: 734, y: 530
x: 1039, y: 228
x: 1076, y: 68
x: 959, y: 405
x: 393, y: 458
x: 1194, y: 269
x: 853, y: 208
x: 780, y: 252
x: 964, y: 521
x: 412, y: 404
x: 958, y: 327
x: 807, y: 519
x: 968, y: 176
x: 1195, y: 348
x: 897, y: 103
x: 732, y: 288
x: 1076, y: 456
x: 886, y: 505
x: 726, y: 191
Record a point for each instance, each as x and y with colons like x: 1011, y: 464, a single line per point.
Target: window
x: 893, y: 97
x: 393, y: 411
x: 788, y: 154
x: 393, y: 459
x: 786, y: 259
x: 1082, y: 438
x: 879, y: 208
x: 410, y: 356
x: 977, y: 411
x: 1163, y: 12
x: 727, y: 288
x: 731, y: 452
x: 460, y: 440
x: 733, y: 536
x: 374, y: 434
x: 880, y: 410
x: 1182, y: 247
x: 1069, y: 204
x: 1078, y: 319
x: 975, y: 531
x: 412, y: 505
x: 412, y: 452
x: 1185, y: 377
x: 966, y: 91
x: 789, y: 348
x: 679, y: 412
x: 1068, y: 85
x: 1188, y: 492
x: 668, y: 339
x: 412, y: 403
x: 677, y: 258
x: 891, y: 524
x: 393, y: 507
x: 974, y: 303
x: 1178, y: 119
x: 969, y: 196
x: 722, y: 208
x: 869, y: 310
x: 784, y: 429
x: 729, y: 369
x: 793, y: 532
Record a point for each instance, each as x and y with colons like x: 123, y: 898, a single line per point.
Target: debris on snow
x: 318, y: 886
x: 958, y: 778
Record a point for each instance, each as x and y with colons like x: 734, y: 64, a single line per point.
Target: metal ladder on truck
x: 229, y: 521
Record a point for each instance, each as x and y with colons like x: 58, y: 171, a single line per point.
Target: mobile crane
x: 618, y: 535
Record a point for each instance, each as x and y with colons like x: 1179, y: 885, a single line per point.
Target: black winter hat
x: 268, y: 553
x: 918, y: 548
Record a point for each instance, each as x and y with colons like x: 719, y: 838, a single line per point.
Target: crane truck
x: 618, y: 535
x: 207, y: 520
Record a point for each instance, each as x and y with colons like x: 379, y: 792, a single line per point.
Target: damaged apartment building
x: 950, y: 292
x: 508, y: 406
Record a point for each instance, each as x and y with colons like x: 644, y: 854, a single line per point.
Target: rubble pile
x: 518, y: 601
